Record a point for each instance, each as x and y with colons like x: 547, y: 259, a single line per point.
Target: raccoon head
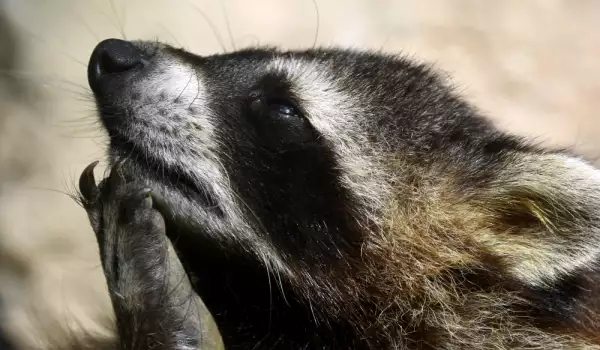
x: 272, y: 152
x: 309, y: 161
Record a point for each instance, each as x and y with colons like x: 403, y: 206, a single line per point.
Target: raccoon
x: 331, y: 199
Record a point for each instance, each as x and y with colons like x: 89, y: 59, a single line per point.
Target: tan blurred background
x: 532, y: 66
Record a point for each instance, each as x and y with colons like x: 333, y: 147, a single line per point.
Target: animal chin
x: 168, y: 181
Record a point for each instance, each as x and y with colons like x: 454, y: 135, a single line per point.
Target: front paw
x: 152, y: 296
x: 130, y: 231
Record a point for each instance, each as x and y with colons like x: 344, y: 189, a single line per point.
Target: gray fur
x: 384, y: 212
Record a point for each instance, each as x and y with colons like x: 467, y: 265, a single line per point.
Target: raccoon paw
x: 128, y: 229
x: 146, y: 280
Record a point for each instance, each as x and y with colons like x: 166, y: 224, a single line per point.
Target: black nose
x: 110, y: 58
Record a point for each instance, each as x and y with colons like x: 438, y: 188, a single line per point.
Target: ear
x: 543, y: 216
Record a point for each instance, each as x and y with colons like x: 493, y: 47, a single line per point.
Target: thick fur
x: 385, y: 214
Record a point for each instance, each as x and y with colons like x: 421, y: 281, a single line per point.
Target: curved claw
x: 116, y: 178
x: 87, y: 183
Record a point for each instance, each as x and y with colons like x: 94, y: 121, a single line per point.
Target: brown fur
x: 451, y: 267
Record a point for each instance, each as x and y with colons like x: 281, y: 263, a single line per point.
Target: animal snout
x: 112, y: 58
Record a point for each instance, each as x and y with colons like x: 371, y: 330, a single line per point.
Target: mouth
x: 141, y: 164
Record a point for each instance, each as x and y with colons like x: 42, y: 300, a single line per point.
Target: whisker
x: 184, y: 88
x: 36, y: 75
x: 318, y: 19
x: 79, y: 17
x: 45, y: 81
x: 45, y: 43
x: 255, y: 42
x: 170, y: 33
x: 119, y: 23
x: 228, y: 25
x: 198, y: 92
x: 212, y: 26
x: 86, y: 25
x: 46, y: 189
x: 104, y: 14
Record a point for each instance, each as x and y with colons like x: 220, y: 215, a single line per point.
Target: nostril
x: 112, y: 62
x: 112, y: 56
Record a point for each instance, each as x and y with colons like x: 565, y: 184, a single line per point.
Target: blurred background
x: 532, y: 66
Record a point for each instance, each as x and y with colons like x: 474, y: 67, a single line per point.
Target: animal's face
x: 267, y: 147
x: 297, y: 156
x: 359, y: 176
